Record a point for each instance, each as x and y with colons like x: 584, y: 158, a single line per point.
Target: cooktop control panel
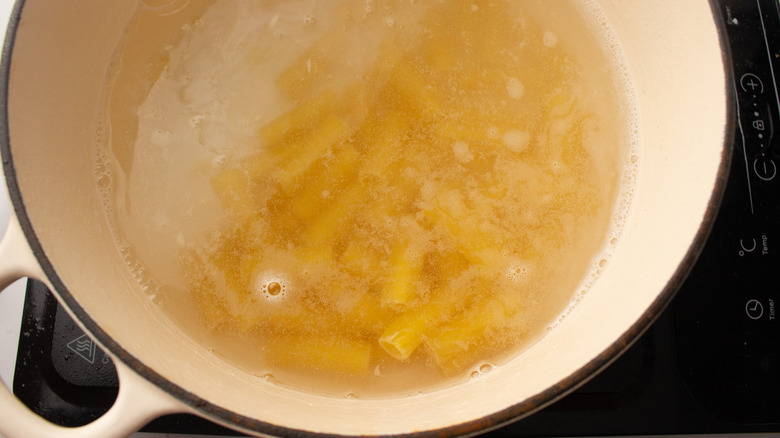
x: 728, y: 313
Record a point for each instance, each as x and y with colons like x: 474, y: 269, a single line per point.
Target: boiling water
x: 369, y: 196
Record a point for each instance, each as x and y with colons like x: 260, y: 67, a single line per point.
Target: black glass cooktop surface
x: 710, y: 364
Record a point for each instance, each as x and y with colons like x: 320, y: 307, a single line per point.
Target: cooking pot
x: 54, y: 64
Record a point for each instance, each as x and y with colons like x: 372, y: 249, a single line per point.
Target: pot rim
x: 494, y: 421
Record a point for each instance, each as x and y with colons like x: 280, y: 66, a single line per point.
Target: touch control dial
x: 751, y: 83
x: 765, y: 168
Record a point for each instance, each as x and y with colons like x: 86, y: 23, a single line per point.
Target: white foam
x: 517, y: 140
x: 550, y: 39
x: 515, y: 88
x: 462, y: 152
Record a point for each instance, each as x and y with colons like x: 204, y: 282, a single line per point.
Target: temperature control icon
x: 747, y: 246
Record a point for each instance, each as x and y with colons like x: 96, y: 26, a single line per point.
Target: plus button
x: 751, y: 83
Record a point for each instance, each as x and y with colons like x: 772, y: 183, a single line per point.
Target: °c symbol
x: 747, y: 248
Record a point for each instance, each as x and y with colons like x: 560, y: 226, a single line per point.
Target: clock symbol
x: 754, y: 309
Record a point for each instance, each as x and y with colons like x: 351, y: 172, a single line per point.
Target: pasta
x: 389, y: 187
x: 339, y: 168
x: 328, y: 355
x: 298, y: 122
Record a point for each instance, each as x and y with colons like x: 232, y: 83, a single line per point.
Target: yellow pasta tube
x: 359, y: 259
x: 405, y: 269
x: 259, y: 166
x: 368, y: 318
x: 381, y: 142
x: 411, y: 92
x: 291, y: 319
x: 389, y: 53
x: 402, y: 337
x: 478, y: 248
x: 479, y: 240
x: 355, y: 103
x: 299, y: 121
x: 318, y: 253
x: 409, y: 330
x: 238, y: 275
x: 326, y: 225
x: 462, y: 225
x: 213, y: 285
x: 452, y: 347
x: 440, y: 54
x: 341, y: 356
x: 228, y: 246
x: 324, y: 181
x: 446, y: 207
x: 382, y: 206
x: 448, y: 265
x: 332, y: 131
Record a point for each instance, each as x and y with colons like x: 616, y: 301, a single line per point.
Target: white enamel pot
x: 54, y: 63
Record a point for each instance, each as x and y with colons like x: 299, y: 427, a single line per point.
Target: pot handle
x: 137, y: 402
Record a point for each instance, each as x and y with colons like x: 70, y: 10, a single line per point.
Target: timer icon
x: 754, y: 309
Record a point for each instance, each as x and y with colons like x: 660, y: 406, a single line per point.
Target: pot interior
x: 60, y: 56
